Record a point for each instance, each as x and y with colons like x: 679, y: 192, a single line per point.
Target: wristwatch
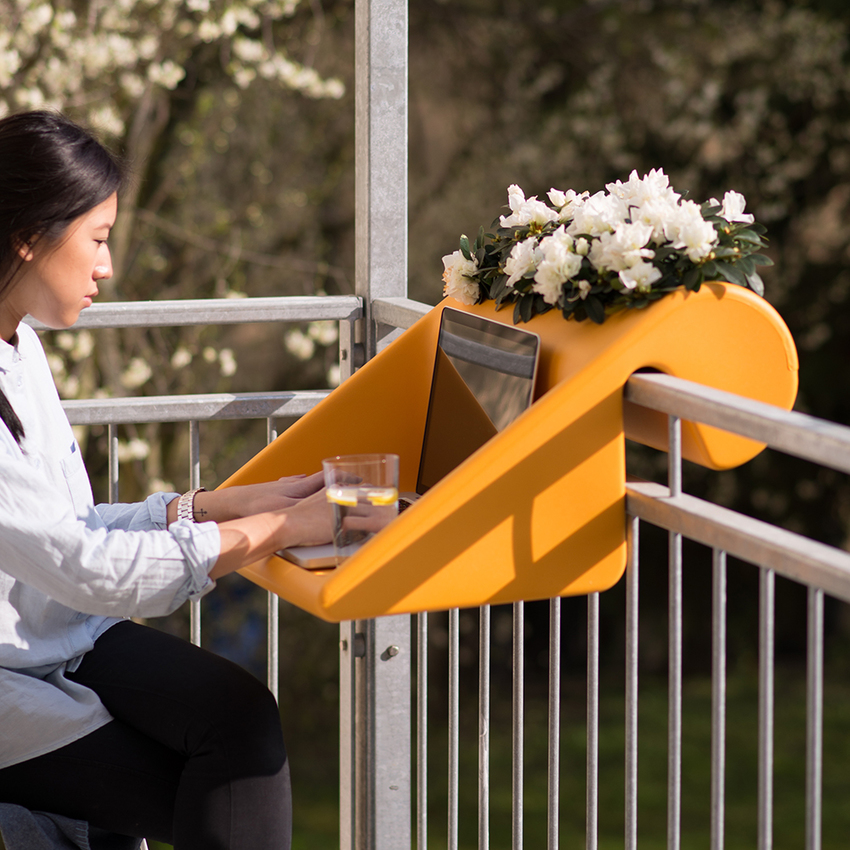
x: 186, y: 504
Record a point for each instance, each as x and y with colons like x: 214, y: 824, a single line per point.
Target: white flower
x: 524, y: 211
x: 227, y: 362
x: 600, y: 213
x: 560, y: 263
x: 458, y: 282
x: 567, y: 202
x: 523, y: 260
x: 325, y: 333
x: 181, y: 358
x: 622, y: 248
x: 655, y: 186
x: 136, y: 374
x: 299, y: 344
x: 640, y: 276
x: 691, y: 232
x: 734, y: 204
x: 166, y: 74
x: 657, y: 213
x: 135, y: 449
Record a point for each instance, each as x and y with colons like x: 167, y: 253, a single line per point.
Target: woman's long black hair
x: 52, y: 171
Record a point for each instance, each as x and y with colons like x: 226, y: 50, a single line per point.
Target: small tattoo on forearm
x: 200, y: 512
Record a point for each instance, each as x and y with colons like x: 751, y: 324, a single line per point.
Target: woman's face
x: 59, y: 278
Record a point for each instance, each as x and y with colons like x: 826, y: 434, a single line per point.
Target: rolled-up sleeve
x: 138, y: 516
x: 124, y: 562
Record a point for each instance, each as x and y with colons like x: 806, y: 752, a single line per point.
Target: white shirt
x: 69, y: 569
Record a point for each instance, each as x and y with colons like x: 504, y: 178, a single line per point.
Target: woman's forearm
x: 244, y: 501
x: 252, y: 538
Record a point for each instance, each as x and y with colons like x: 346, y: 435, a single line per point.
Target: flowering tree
x: 116, y: 64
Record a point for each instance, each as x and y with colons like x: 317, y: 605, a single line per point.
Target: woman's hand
x: 309, y: 521
x: 286, y: 492
x: 250, y: 499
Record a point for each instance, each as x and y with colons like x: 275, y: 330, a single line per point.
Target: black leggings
x: 194, y: 756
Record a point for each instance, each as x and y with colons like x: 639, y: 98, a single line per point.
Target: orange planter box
x: 538, y: 511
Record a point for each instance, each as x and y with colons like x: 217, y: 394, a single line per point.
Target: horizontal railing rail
x: 186, y: 408
x: 794, y: 433
x: 218, y: 311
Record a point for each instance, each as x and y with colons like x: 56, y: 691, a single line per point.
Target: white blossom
x: 324, y: 333
x: 654, y: 186
x: 640, y: 276
x: 333, y: 376
x: 734, y: 204
x: 138, y: 372
x: 623, y: 248
x: 135, y: 449
x: 181, y: 358
x: 691, y: 232
x: 600, y: 213
x: 560, y: 263
x: 227, y: 362
x: 458, y: 283
x: 524, y: 212
x: 523, y: 260
x: 299, y: 344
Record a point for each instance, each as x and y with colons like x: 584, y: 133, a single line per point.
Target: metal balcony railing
x: 365, y: 822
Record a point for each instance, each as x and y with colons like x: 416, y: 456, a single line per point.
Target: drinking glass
x: 363, y: 492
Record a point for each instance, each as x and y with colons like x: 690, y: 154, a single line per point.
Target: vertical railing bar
x: 112, y: 438
x: 195, y: 481
x: 114, y: 472
x: 273, y: 644
x: 767, y: 583
x: 346, y: 349
x: 454, y: 725
x: 718, y: 700
x: 271, y: 429
x: 273, y: 608
x: 348, y: 651
x: 422, y: 731
x: 518, y: 725
x: 484, y: 728
x: 554, y: 761
x: 632, y: 624
x: 814, y: 719
x: 674, y: 708
x: 592, y: 791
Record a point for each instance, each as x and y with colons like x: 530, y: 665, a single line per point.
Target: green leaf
x: 756, y: 283
x: 594, y: 309
x: 761, y: 260
x: 748, y: 235
x: 498, y: 290
x: 526, y: 308
x: 693, y: 279
x: 730, y: 273
x: 746, y: 266
x: 464, y: 247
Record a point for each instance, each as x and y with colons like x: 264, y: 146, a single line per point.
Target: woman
x: 102, y: 719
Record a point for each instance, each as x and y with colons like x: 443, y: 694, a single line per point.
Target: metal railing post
x: 195, y: 481
x: 383, y: 763
x: 674, y: 709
